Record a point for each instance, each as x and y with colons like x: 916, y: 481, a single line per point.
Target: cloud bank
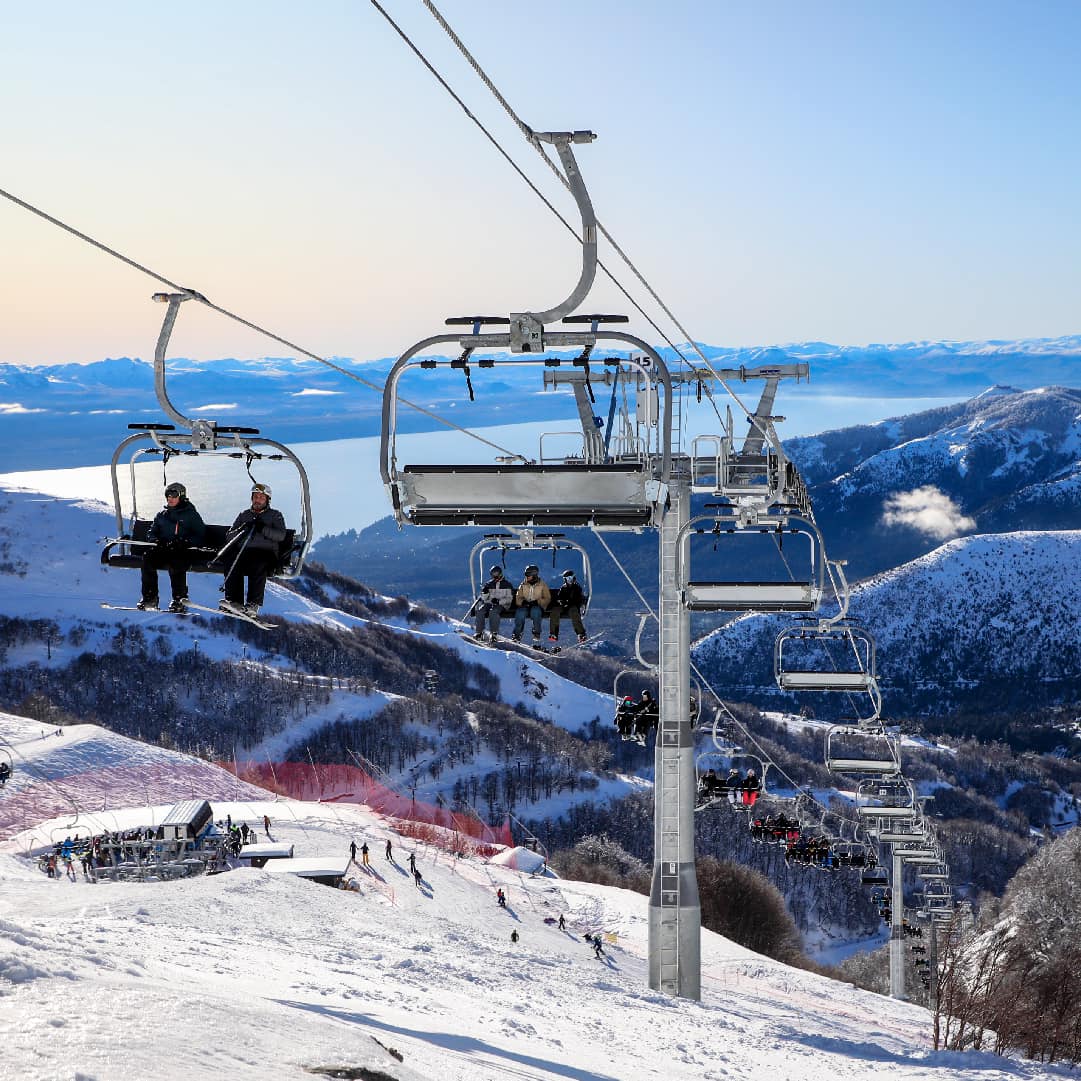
x: 929, y: 510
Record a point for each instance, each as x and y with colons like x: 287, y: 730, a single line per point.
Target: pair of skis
x: 200, y: 607
x: 511, y: 644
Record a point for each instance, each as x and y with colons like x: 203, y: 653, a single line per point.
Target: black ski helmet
x: 177, y: 489
x: 568, y: 574
x: 532, y: 569
x: 495, y: 571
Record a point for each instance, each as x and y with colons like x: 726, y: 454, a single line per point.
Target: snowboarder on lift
x: 646, y: 716
x: 568, y: 600
x: 625, y: 716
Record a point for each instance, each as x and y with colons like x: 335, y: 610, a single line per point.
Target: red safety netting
x: 340, y: 783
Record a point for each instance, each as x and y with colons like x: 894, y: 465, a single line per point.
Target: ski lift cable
x: 530, y: 137
x: 514, y: 165
x: 241, y: 320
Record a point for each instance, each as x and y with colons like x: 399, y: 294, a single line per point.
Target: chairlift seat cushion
x: 213, y: 541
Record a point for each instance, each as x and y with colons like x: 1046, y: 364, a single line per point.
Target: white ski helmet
x: 264, y: 488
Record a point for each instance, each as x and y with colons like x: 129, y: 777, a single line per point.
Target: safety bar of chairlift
x: 714, y: 596
x: 304, y: 532
x: 553, y: 340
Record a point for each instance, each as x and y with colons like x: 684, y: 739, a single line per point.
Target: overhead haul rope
x: 244, y: 322
x: 510, y: 161
x: 530, y: 137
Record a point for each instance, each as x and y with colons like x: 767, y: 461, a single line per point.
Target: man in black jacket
x: 262, y: 529
x: 175, y: 531
x: 568, y: 600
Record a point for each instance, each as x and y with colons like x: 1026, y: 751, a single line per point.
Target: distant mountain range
x: 72, y: 414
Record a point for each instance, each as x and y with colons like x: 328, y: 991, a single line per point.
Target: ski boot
x: 148, y: 604
x: 178, y: 604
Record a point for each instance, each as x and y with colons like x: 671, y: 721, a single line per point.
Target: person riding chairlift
x: 258, y: 555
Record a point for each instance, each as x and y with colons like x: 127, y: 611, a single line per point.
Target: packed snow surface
x: 249, y: 974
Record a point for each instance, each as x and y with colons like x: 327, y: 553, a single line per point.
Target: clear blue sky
x: 849, y: 172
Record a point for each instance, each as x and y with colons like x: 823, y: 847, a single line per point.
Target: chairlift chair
x: 840, y: 657
x: 604, y: 484
x: 799, y: 593
x: 894, y: 801
x: 881, y: 757
x: 214, y: 462
x: 528, y: 540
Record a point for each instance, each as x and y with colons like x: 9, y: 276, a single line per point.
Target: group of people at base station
x: 635, y: 719
x: 531, y: 600
x: 775, y: 829
x: 740, y: 790
x: 252, y: 551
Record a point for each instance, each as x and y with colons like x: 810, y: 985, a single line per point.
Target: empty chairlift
x: 886, y: 802
x: 856, y: 751
x: 610, y: 479
x: 838, y: 657
x: 780, y: 558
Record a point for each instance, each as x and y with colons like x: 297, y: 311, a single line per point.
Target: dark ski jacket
x: 569, y: 596
x: 268, y: 529
x: 178, y: 526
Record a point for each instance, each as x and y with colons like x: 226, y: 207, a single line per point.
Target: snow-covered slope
x: 266, y: 976
x: 49, y: 569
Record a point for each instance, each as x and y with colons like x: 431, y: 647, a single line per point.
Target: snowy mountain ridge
x: 987, y: 614
x: 1001, y: 462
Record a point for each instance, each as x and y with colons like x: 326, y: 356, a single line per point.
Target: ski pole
x: 228, y: 573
